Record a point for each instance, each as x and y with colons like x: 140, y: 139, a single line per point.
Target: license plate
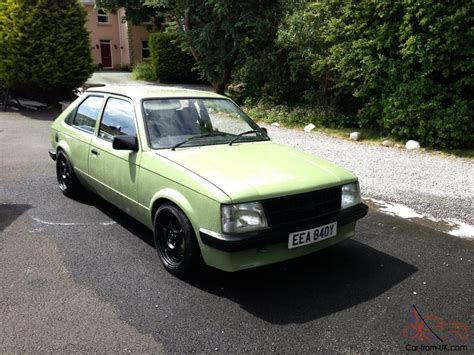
x: 310, y: 236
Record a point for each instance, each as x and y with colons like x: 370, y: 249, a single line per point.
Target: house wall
x: 125, y: 40
x: 137, y: 35
x: 105, y: 31
x: 123, y: 33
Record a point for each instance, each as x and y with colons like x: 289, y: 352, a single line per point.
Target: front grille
x: 291, y: 208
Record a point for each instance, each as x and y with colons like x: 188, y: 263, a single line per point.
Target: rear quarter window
x: 86, y: 114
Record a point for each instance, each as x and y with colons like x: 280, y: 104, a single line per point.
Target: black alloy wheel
x: 67, y: 179
x: 175, y: 240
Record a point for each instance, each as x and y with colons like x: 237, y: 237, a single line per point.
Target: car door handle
x: 95, y: 152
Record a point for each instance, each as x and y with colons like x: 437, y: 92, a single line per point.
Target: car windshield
x: 197, y: 121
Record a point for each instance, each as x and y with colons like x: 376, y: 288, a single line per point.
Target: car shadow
x: 10, y: 212
x: 45, y: 114
x: 294, y: 291
x: 118, y: 216
x: 310, y: 287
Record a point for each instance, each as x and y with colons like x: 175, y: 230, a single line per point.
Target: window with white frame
x: 145, y: 50
x: 102, y: 16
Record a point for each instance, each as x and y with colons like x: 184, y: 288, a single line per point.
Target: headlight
x: 244, y: 217
x: 350, y: 195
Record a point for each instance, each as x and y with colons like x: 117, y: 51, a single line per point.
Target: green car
x: 205, y: 178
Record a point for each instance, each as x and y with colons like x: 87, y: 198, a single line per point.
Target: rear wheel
x: 175, y: 241
x: 67, y: 180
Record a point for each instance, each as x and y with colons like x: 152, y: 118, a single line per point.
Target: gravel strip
x: 440, y: 186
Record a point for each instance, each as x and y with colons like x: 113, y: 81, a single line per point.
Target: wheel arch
x: 64, y: 146
x: 174, y: 197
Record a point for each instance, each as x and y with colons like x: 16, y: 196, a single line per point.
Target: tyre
x: 175, y: 241
x: 67, y: 180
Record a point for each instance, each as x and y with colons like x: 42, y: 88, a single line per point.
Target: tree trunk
x: 219, y: 87
x: 5, y: 103
x: 220, y: 84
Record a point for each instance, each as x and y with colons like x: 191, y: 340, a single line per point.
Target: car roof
x: 138, y: 92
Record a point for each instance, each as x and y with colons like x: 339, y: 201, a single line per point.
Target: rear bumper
x: 278, y: 234
x: 52, y: 154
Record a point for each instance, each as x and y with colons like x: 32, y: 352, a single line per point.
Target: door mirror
x: 125, y: 143
x: 264, y: 130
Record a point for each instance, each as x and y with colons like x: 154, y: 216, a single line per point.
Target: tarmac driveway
x: 79, y: 275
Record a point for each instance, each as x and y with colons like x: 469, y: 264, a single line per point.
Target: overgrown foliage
x: 403, y: 67
x: 296, y: 116
x: 171, y: 64
x: 144, y: 71
x: 45, y: 48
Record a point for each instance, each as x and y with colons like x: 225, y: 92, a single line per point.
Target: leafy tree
x: 45, y: 48
x: 218, y: 33
x: 270, y: 73
x: 135, y: 11
x: 304, y: 34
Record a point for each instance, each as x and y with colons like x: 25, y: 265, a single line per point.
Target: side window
x: 87, y: 113
x: 117, y: 119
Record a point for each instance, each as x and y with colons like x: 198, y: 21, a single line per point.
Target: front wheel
x: 67, y: 179
x: 175, y: 241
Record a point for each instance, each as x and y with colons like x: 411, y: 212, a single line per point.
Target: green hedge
x: 410, y: 65
x: 170, y: 63
x: 402, y: 67
x: 44, y: 48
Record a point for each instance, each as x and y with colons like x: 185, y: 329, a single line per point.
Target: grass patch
x: 298, y: 117
x: 325, y: 122
x: 462, y: 153
x: 368, y: 135
x: 288, y: 116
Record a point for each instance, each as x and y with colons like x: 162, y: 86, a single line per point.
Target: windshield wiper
x: 210, y: 134
x: 237, y: 137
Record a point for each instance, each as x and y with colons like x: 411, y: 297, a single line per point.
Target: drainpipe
x: 120, y: 39
x: 130, y: 44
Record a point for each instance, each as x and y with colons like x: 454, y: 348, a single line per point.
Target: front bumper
x: 278, y: 234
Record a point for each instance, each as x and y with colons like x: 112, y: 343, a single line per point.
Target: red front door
x: 106, y: 54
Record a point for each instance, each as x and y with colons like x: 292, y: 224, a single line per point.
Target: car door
x: 78, y: 130
x: 115, y: 170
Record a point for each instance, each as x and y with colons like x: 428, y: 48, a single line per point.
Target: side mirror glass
x: 125, y: 143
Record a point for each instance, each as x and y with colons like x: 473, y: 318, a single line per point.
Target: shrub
x: 403, y: 67
x: 170, y: 63
x: 430, y: 96
x: 143, y: 71
x: 267, y: 75
x: 45, y: 48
